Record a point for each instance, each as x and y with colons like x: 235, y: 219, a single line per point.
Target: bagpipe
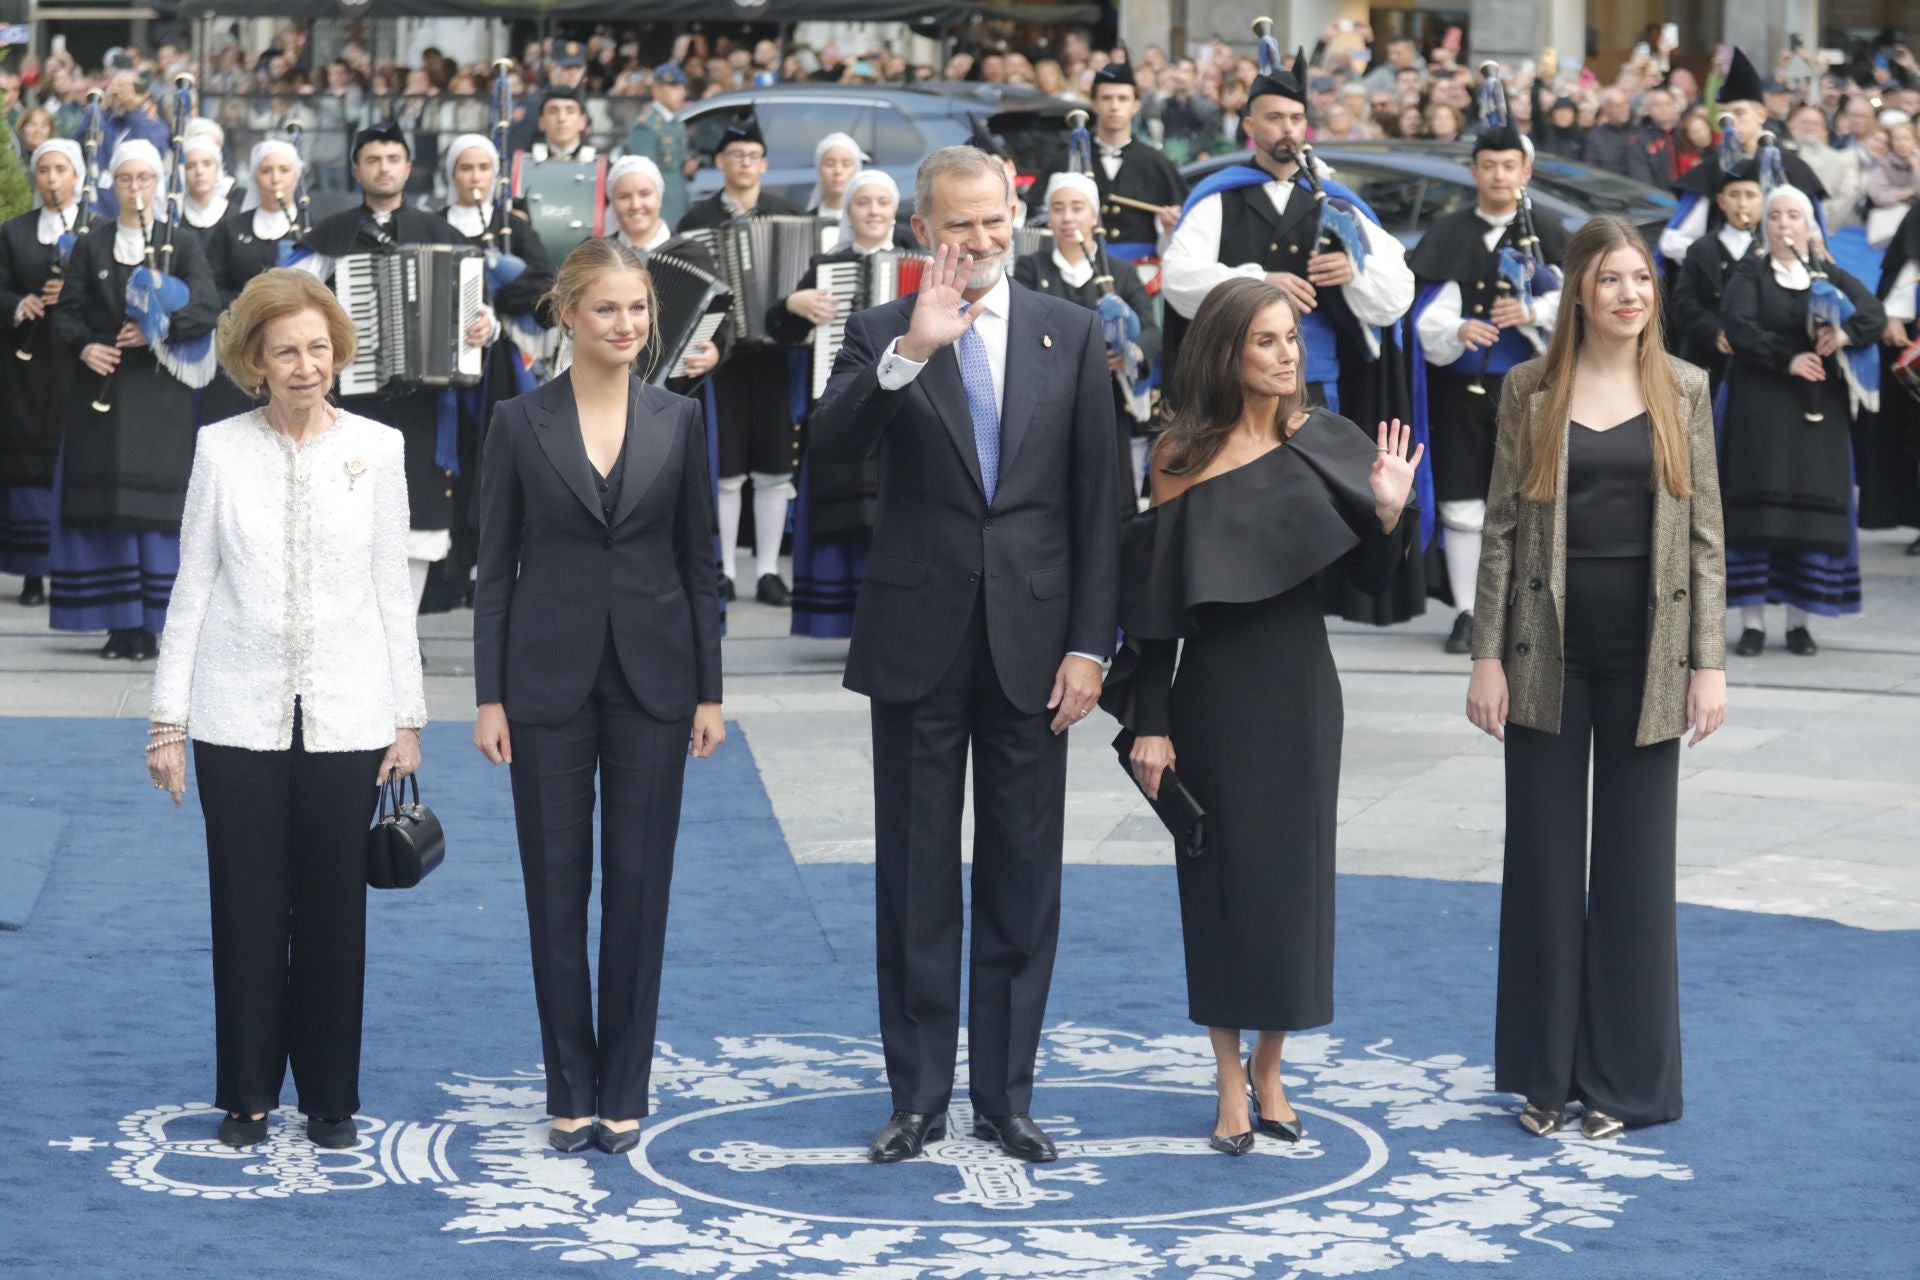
x: 93, y: 130
x: 298, y: 212
x: 1521, y: 270
x: 496, y: 242
x: 1119, y: 323
x: 154, y: 293
x: 1337, y: 222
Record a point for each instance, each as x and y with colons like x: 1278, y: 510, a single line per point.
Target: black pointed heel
x: 1286, y: 1130
x: 615, y: 1142
x: 570, y: 1141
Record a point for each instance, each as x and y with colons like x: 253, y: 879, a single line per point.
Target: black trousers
x: 641, y: 762
x: 1589, y: 989
x: 1019, y: 802
x: 287, y: 867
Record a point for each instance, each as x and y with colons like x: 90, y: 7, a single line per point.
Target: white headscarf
x: 864, y: 178
x: 210, y: 213
x: 61, y: 146
x: 136, y: 149
x: 826, y: 144
x: 1079, y: 182
x: 261, y: 150
x: 1791, y: 275
x: 202, y: 127
x: 461, y: 145
x: 634, y: 164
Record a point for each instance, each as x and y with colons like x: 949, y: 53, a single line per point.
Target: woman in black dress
x: 257, y: 235
x: 33, y: 376
x: 596, y: 640
x: 1786, y: 459
x: 1254, y: 493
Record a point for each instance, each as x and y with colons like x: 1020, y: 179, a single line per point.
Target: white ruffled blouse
x: 293, y: 583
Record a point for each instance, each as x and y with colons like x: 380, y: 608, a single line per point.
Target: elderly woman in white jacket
x: 292, y: 664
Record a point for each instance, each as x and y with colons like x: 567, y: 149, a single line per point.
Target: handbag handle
x: 394, y: 795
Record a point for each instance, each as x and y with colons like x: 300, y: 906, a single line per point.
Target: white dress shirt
x: 293, y: 583
x: 1903, y: 299
x: 1439, y: 324
x: 1378, y: 295
x: 1676, y: 240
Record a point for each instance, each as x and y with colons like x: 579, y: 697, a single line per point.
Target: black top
x: 1610, y: 490
x: 609, y: 484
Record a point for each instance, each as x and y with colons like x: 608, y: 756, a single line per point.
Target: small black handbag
x: 1185, y: 820
x: 405, y: 843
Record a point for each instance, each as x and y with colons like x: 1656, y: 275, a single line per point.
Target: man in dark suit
x: 989, y: 599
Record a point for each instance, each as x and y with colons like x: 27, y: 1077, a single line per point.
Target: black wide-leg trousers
x: 641, y: 763
x: 1589, y: 994
x: 287, y: 869
x: 1019, y: 800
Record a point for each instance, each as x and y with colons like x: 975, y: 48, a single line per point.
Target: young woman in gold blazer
x: 1599, y: 639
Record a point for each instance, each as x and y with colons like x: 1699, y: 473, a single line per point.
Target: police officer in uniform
x: 659, y: 135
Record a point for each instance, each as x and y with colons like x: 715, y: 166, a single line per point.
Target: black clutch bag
x: 405, y: 843
x: 1176, y: 807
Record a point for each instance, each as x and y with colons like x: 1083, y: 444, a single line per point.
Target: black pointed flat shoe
x: 119, y: 644
x: 336, y: 1133
x: 1018, y: 1136
x: 570, y: 1141
x: 905, y: 1135
x: 1751, y: 642
x: 615, y: 1142
x: 144, y: 647
x: 1800, y: 642
x: 241, y: 1131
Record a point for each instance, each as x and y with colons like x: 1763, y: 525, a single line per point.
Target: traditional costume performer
x: 1694, y: 298
x: 1261, y: 217
x: 124, y: 468
x: 35, y: 377
x: 257, y: 236
x: 1470, y: 260
x: 1887, y: 443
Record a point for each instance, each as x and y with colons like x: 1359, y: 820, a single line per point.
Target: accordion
x: 410, y: 311
x: 1028, y: 240
x: 691, y: 305
x: 855, y: 286
x: 761, y: 261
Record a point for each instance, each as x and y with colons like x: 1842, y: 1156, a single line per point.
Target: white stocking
x: 1753, y: 617
x: 771, y: 494
x: 1796, y: 616
x: 729, y: 516
x: 1461, y: 546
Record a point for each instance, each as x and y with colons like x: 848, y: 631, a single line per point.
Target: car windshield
x: 1595, y: 190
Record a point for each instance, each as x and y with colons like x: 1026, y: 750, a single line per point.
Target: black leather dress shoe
x: 570, y: 1141
x: 33, y: 592
x: 1751, y: 642
x: 144, y: 647
x: 1018, y: 1136
x: 1800, y: 641
x: 905, y: 1135
x: 1460, y: 639
x: 336, y: 1134
x: 119, y: 643
x: 615, y: 1142
x: 239, y: 1131
x: 770, y: 590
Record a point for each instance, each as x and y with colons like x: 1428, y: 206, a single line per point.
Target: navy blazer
x: 554, y: 573
x: 1048, y: 547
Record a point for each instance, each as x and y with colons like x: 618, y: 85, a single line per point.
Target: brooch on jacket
x: 355, y: 466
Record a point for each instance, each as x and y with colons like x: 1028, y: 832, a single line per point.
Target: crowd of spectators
x: 1854, y: 122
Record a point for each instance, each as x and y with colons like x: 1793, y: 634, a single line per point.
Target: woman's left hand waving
x: 1393, y: 468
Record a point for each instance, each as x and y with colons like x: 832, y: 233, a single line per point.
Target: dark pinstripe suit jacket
x: 1046, y: 553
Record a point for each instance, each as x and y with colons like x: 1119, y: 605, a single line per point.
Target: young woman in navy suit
x: 597, y: 646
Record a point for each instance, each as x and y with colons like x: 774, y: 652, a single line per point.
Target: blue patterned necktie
x: 977, y: 375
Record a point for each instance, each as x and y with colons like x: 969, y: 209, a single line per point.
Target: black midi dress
x: 1255, y: 711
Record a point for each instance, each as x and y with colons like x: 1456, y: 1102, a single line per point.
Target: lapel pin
x: 1046, y: 339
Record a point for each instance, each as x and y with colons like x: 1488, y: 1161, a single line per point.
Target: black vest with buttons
x: 1252, y: 230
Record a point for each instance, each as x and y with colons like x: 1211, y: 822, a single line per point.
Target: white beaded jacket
x: 293, y: 583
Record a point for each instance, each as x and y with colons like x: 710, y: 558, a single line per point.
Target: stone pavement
x: 1807, y: 803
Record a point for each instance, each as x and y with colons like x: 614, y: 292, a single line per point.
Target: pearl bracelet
x: 158, y: 743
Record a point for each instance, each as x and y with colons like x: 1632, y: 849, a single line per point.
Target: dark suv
x: 897, y: 125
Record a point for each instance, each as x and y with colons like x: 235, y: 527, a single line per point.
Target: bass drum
x: 566, y: 200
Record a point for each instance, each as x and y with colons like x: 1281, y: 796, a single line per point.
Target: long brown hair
x: 594, y: 257
x: 1208, y: 393
x: 1543, y: 438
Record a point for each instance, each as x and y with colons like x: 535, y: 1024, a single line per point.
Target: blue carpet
x: 1795, y: 1158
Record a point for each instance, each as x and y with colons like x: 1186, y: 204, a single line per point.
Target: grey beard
x: 986, y: 271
